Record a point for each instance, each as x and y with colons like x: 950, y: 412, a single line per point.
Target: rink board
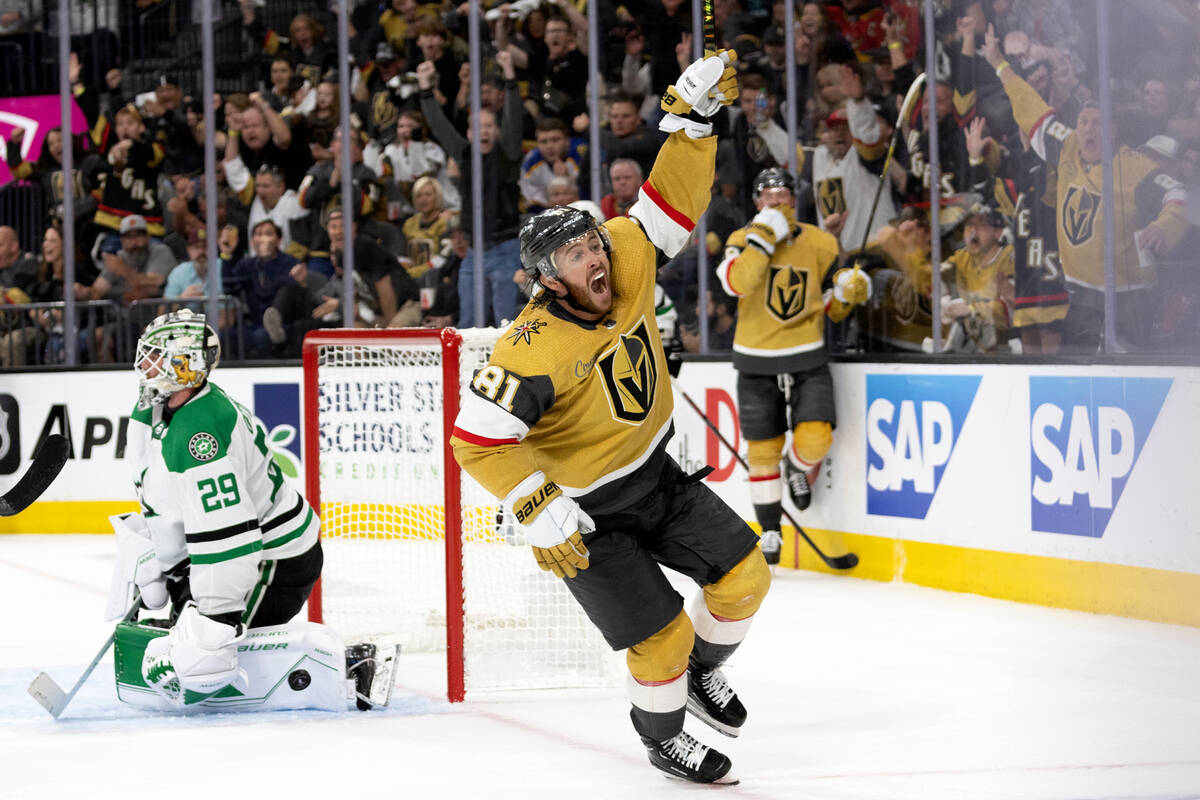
x: 1060, y: 485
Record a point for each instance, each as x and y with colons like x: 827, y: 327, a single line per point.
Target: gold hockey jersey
x: 587, y: 403
x: 1142, y: 195
x: 987, y: 286
x: 781, y: 300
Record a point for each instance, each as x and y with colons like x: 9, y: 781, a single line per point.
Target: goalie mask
x: 544, y: 233
x: 175, y: 352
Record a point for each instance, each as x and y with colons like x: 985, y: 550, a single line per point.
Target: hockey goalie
x: 228, y: 545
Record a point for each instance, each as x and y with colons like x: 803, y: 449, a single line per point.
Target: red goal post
x: 416, y: 550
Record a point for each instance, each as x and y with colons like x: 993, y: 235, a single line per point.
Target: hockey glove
x: 203, y: 652
x: 553, y: 523
x: 705, y: 86
x: 768, y: 228
x: 851, y: 287
x: 136, y: 564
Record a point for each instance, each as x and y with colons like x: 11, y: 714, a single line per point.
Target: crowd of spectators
x: 1021, y: 230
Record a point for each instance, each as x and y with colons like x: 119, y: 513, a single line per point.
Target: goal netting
x: 415, y: 549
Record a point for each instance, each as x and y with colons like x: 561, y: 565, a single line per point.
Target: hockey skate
x: 797, y: 484
x: 772, y: 543
x: 682, y: 756
x: 712, y: 700
x: 372, y: 668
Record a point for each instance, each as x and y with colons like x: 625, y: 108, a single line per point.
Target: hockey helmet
x: 544, y: 233
x: 176, y: 351
x: 774, y: 178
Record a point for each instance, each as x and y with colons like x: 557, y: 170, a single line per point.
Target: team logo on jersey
x: 831, y: 196
x: 525, y: 330
x: 913, y: 424
x: 1085, y: 437
x: 1079, y: 214
x: 787, y: 289
x: 630, y: 374
x: 203, y: 446
x: 10, y: 435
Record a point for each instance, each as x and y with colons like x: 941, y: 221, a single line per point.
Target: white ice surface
x: 855, y: 689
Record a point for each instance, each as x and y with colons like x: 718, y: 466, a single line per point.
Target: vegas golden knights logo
x: 831, y: 196
x: 383, y: 111
x: 630, y: 374
x: 787, y: 287
x: 1079, y: 214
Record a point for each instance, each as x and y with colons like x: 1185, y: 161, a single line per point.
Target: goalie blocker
x: 294, y: 666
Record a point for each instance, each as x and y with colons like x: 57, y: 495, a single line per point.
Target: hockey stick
x: 47, y: 463
x: 710, y: 29
x: 847, y: 561
x: 910, y: 99
x: 51, y: 696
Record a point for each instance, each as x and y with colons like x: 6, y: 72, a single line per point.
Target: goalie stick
x: 47, y: 463
x: 847, y: 561
x: 51, y: 696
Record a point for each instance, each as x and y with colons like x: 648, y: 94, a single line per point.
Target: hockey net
x: 415, y: 549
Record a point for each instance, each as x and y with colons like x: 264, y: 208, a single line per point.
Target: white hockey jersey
x: 211, y: 491
x: 849, y: 185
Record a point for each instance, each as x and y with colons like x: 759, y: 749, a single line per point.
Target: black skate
x: 772, y: 543
x: 682, y: 756
x: 797, y: 484
x: 360, y: 665
x: 712, y: 700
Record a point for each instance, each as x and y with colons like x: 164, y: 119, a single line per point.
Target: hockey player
x: 569, y: 423
x: 780, y: 270
x: 224, y: 538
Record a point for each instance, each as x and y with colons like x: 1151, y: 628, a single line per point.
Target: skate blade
x: 385, y: 673
x: 697, y: 711
x: 725, y: 781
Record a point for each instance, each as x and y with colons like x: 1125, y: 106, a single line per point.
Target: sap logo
x: 913, y: 422
x: 1085, y: 438
x: 10, y: 435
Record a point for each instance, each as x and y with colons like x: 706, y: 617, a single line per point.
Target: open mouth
x: 598, y: 283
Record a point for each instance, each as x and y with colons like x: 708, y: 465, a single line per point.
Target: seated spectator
x: 980, y: 310
x: 274, y: 201
x: 442, y: 310
x: 556, y: 155
x: 899, y: 319
x: 558, y: 84
x: 413, y: 155
x: 267, y: 278
x: 190, y: 279
x: 828, y: 46
x: 323, y: 119
x: 47, y: 170
x: 626, y: 178
x: 564, y: 191
x: 626, y: 135
x: 722, y: 322
x: 18, y: 274
x: 381, y: 87
x: 312, y: 54
x: 45, y: 329
x: 425, y: 229
x: 137, y: 271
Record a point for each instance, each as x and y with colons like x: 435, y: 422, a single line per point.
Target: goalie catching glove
x: 851, y: 286
x: 553, y: 523
x: 705, y: 86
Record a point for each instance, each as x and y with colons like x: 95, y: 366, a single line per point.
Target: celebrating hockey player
x: 778, y: 269
x: 223, y: 538
x: 569, y: 423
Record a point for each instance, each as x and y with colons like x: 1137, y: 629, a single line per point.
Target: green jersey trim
x: 200, y: 431
x: 295, y: 534
x: 227, y: 555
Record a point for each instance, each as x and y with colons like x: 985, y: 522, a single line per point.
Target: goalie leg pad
x: 294, y: 666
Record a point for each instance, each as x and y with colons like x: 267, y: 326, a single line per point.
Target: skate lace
x: 771, y: 540
x: 685, y: 750
x: 717, y: 688
x: 797, y: 479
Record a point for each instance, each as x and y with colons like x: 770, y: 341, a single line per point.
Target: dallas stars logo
x: 203, y: 446
x: 525, y: 330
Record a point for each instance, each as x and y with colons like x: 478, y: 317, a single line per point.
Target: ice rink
x: 855, y: 689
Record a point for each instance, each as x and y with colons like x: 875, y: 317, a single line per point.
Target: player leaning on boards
x: 569, y: 423
x: 225, y: 539
x: 781, y: 271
